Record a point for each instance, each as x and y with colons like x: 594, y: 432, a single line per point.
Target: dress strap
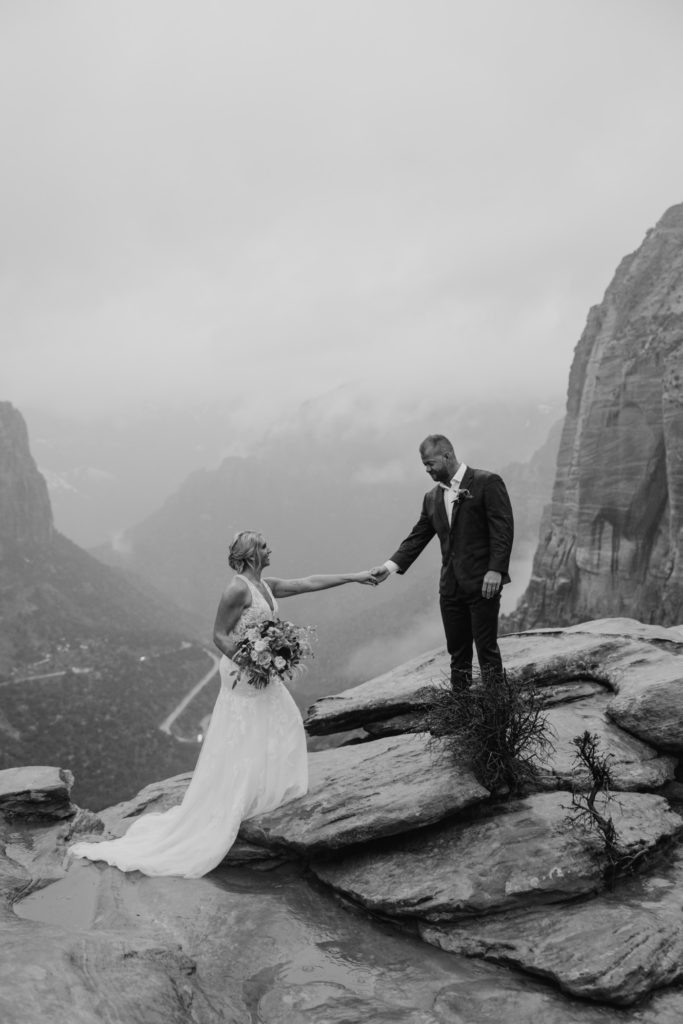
x: 272, y: 604
x: 250, y: 586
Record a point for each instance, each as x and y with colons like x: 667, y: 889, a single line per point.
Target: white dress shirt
x: 449, y: 493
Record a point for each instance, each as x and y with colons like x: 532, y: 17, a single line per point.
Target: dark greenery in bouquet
x: 273, y: 649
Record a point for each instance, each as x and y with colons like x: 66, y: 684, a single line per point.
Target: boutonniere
x: 462, y: 494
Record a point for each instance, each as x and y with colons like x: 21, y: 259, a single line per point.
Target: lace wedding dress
x: 252, y: 760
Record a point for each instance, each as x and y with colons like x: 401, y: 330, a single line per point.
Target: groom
x: 470, y: 512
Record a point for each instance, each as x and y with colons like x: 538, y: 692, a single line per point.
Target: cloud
x: 380, y: 655
x: 391, y: 472
x: 256, y: 203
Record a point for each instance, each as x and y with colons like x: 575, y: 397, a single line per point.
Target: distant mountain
x: 107, y: 475
x: 93, y: 657
x: 52, y: 591
x: 104, y: 475
x: 328, y: 499
x: 89, y: 663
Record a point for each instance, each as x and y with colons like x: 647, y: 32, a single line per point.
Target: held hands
x: 490, y: 587
x: 492, y: 583
x: 367, y: 578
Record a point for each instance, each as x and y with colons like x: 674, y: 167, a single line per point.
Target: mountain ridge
x: 321, y: 512
x: 88, y: 661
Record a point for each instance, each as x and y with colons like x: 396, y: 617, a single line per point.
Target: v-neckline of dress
x: 268, y: 597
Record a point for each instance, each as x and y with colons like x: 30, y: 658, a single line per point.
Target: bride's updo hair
x: 243, y: 553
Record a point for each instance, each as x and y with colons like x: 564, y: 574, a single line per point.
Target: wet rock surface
x: 99, y: 945
x: 637, y: 666
x: 476, y: 888
x: 327, y: 1003
x: 633, y: 660
x: 498, y: 903
x: 521, y: 853
x: 634, y: 765
x: 616, y: 948
x: 237, y: 946
x: 655, y: 712
x: 368, y: 791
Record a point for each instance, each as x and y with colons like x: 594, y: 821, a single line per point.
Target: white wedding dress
x: 252, y: 760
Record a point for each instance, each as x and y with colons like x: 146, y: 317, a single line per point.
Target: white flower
x: 280, y: 663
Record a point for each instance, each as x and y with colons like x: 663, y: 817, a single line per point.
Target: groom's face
x: 438, y: 464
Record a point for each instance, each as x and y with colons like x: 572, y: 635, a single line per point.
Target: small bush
x: 498, y: 726
x: 586, y: 815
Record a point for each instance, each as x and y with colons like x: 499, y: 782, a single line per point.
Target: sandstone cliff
x: 611, y: 541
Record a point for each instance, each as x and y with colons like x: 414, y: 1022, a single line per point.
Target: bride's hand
x: 367, y: 579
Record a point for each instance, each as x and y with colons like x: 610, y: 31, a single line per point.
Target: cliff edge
x: 393, y: 829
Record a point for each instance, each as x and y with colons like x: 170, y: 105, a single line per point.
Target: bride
x: 254, y: 753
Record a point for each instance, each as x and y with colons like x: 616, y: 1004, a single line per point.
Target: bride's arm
x: 308, y: 584
x: 234, y: 600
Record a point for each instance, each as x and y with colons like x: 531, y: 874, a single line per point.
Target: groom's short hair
x: 439, y: 443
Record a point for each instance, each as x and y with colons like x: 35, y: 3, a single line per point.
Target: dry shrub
x: 499, y: 726
x: 584, y: 813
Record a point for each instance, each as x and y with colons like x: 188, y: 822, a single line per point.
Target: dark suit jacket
x: 478, y: 539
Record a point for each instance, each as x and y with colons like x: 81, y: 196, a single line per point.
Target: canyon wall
x: 25, y: 512
x: 610, y: 542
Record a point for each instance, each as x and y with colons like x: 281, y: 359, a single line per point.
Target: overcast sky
x: 258, y: 201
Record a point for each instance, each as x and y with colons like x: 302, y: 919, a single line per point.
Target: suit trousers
x: 470, y: 620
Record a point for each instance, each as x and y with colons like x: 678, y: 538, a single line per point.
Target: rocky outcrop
x: 398, y: 784
x: 36, y: 792
x: 525, y: 852
x: 641, y: 665
x: 25, y: 512
x: 611, y: 543
x: 653, y: 712
x: 634, y: 765
x: 84, y: 944
x: 612, y: 950
x: 328, y: 1003
x: 489, y: 882
x: 399, y: 828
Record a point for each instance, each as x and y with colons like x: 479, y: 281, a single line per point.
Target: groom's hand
x: 380, y: 572
x: 492, y: 583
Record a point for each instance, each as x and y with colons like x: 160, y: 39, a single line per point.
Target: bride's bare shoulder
x: 237, y: 591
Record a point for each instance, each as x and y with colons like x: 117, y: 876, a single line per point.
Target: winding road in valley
x: 178, y: 710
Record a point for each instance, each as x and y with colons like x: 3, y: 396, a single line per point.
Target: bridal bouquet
x: 272, y: 650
